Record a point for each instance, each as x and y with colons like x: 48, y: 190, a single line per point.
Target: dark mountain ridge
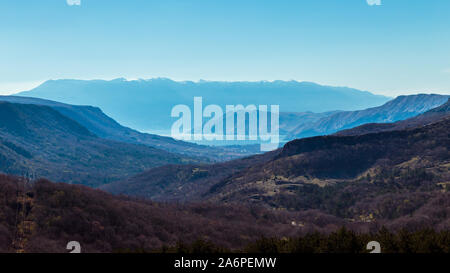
x: 333, y: 159
x: 40, y: 140
x: 347, y: 176
x: 182, y: 182
x: 103, y: 126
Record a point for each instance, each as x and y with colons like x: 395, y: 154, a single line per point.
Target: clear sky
x: 387, y: 47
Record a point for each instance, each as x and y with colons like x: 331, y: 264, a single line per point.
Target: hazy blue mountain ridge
x: 424, y: 119
x: 146, y: 104
x: 400, y: 108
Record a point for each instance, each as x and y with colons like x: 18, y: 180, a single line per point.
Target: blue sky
x: 390, y: 47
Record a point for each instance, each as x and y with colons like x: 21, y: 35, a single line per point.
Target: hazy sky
x: 387, y: 47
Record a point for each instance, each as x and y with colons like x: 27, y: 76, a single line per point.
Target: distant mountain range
x: 146, y: 105
x: 400, y: 108
x: 307, y: 109
x: 308, y: 124
x: 428, y: 117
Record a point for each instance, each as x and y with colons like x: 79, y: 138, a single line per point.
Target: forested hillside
x: 39, y: 140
